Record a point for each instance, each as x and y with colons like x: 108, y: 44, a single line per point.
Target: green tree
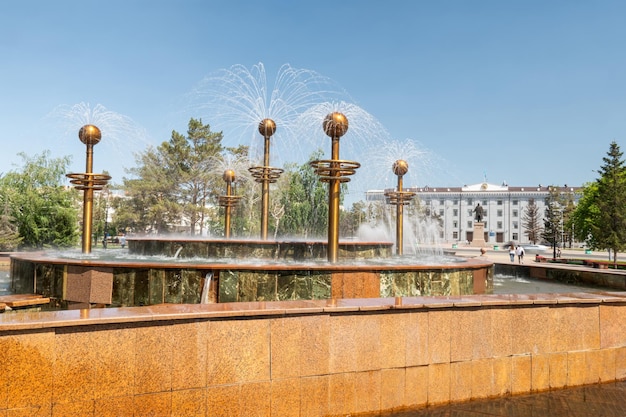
x: 569, y: 206
x: 350, y: 220
x: 553, y: 219
x: 9, y: 234
x: 530, y: 219
x: 151, y: 205
x: 43, y: 210
x: 609, y: 226
x: 189, y: 160
x: 585, y: 215
x: 174, y: 181
x: 305, y: 201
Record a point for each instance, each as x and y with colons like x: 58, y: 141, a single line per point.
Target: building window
x: 486, y: 227
x: 485, y: 203
x: 441, y: 212
x: 515, y: 214
x: 515, y: 202
x: 499, y: 225
x: 469, y: 212
x: 455, y: 212
x: 455, y: 235
x: 499, y: 202
x: 515, y: 225
x: 455, y: 202
x: 470, y: 202
x: 469, y: 224
x: 514, y: 236
x: 499, y: 213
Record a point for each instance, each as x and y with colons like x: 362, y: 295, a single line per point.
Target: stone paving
x: 602, y: 400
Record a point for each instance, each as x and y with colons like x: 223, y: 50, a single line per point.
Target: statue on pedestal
x: 479, y: 213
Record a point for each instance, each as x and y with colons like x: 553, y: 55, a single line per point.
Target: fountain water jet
x: 170, y: 270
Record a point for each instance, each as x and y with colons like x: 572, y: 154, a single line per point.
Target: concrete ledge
x: 325, y: 357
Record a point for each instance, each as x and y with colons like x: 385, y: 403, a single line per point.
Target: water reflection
x: 509, y: 284
x: 5, y: 281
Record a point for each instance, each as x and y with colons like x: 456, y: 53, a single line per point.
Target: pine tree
x: 609, y: 227
x: 532, y: 225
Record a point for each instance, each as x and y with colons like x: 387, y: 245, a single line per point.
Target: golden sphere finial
x: 335, y: 125
x: 267, y: 127
x: 229, y: 175
x: 400, y: 167
x: 89, y: 135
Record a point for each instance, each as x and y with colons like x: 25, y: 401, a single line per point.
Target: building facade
x: 503, y: 209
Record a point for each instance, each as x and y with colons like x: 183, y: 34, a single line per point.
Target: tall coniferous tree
x: 176, y: 179
x: 609, y: 227
x: 531, y: 221
x: 553, y: 220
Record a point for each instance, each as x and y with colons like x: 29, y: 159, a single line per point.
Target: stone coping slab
x: 163, y: 312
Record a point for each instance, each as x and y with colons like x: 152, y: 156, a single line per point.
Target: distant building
x: 504, y: 208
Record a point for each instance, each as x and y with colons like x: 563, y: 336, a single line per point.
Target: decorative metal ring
x: 338, y: 169
x: 263, y: 174
x: 228, y: 200
x: 88, y: 181
x: 399, y: 197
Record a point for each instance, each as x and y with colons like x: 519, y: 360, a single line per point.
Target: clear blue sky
x: 527, y: 92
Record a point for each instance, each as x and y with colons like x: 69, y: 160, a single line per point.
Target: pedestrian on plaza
x: 520, y: 254
x: 512, y: 253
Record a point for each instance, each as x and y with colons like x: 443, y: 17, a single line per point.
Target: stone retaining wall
x: 306, y: 358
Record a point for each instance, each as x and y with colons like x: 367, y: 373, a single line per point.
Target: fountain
x: 170, y: 270
x: 88, y: 182
x: 266, y: 174
x: 228, y: 201
x: 399, y: 198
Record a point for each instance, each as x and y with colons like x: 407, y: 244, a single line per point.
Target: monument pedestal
x: 479, y: 235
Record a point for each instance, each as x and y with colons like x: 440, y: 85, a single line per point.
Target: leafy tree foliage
x: 585, y: 215
x: 44, y: 212
x: 9, y: 235
x: 305, y: 202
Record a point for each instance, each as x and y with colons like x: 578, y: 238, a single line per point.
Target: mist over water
x: 121, y: 135
x: 5, y: 282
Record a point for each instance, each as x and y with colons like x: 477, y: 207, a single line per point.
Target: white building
x: 503, y: 206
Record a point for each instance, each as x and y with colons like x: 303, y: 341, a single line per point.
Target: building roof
x: 485, y: 187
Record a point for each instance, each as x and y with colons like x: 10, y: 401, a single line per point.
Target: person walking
x: 512, y: 253
x: 520, y: 254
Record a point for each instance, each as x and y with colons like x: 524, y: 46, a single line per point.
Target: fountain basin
x: 116, y: 278
x: 252, y: 248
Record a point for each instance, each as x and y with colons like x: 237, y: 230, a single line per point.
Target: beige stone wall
x: 304, y: 358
